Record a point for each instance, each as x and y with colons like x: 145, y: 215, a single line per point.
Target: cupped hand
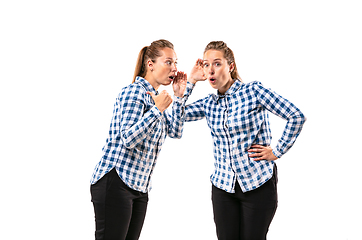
x: 179, y: 84
x: 197, y: 72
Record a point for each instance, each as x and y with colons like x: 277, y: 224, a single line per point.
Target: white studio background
x: 62, y: 64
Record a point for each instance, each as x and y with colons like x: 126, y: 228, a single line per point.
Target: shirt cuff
x: 178, y: 99
x: 277, y: 153
x: 190, y: 85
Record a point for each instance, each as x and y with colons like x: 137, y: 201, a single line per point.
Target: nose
x: 211, y: 70
x: 174, y: 68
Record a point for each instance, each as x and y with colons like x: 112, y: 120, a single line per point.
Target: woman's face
x: 164, y: 68
x: 217, y: 70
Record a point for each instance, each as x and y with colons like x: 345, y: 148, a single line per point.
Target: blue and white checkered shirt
x: 136, y: 135
x: 238, y: 120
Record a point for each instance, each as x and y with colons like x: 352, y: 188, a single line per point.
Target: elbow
x: 303, y: 118
x: 176, y: 135
x: 299, y: 117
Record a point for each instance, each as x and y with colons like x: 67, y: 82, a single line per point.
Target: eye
x: 206, y: 65
x: 168, y: 62
x: 217, y: 64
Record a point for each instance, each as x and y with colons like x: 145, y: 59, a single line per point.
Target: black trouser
x: 119, y: 210
x: 245, y: 216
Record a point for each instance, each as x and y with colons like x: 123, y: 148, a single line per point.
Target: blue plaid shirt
x: 136, y: 135
x: 238, y: 120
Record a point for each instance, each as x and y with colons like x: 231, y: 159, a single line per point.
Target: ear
x: 231, y: 67
x: 150, y: 64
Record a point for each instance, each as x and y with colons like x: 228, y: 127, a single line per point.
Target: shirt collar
x: 144, y: 83
x: 236, y: 86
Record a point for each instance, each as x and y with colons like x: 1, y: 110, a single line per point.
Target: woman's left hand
x: 197, y: 72
x: 179, y: 84
x: 261, y: 153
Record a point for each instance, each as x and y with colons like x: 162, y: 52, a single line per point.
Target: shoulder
x: 133, y: 89
x: 253, y: 87
x: 248, y: 88
x: 132, y: 92
x: 253, y: 84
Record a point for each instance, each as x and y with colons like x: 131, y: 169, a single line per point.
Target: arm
x: 182, y: 90
x: 180, y: 113
x: 195, y: 111
x: 175, y: 121
x: 281, y: 107
x: 135, y: 124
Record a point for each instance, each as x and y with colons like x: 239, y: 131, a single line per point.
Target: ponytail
x: 140, y: 68
x: 151, y: 52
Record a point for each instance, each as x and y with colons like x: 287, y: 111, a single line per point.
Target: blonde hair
x: 228, y: 55
x: 151, y: 52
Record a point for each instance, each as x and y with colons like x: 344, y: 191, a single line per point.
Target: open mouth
x: 171, y: 78
x: 212, y: 79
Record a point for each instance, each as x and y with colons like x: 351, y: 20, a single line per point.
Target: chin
x: 167, y: 82
x: 213, y: 85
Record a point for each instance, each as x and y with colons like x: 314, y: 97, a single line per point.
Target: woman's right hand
x: 162, y: 101
x: 197, y: 72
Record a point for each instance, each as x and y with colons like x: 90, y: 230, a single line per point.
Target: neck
x: 226, y: 87
x: 152, y: 81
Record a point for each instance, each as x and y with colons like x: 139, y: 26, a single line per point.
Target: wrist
x: 161, y: 109
x: 179, y: 92
x: 192, y: 80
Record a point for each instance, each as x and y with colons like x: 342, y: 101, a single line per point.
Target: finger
x: 199, y: 62
x: 184, y: 77
x: 255, y: 150
x: 151, y: 94
x: 169, y: 101
x: 166, y: 95
x: 257, y: 146
x: 256, y: 155
x: 179, y: 75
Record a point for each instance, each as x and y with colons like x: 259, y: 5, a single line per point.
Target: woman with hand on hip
x: 244, y: 182
x: 122, y: 179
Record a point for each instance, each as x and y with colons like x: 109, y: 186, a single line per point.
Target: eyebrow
x: 216, y: 59
x: 168, y: 58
